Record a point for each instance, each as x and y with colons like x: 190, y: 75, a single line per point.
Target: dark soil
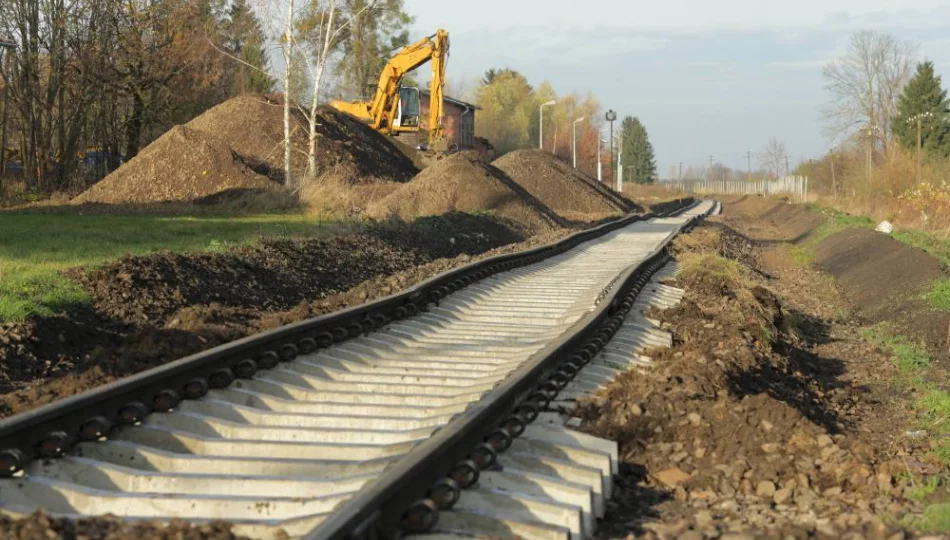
x: 277, y: 274
x: 157, y: 308
x: 768, y: 418
x: 41, y: 526
x: 881, y: 279
x: 182, y: 165
x: 884, y: 281
x: 236, y: 147
x: 464, y: 183
x: 252, y: 125
x: 562, y: 188
x: 774, y: 219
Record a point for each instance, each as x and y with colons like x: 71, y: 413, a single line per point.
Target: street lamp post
x: 611, y: 116
x: 541, y: 123
x: 5, y: 43
x: 574, y: 140
x: 620, y: 164
x: 600, y: 161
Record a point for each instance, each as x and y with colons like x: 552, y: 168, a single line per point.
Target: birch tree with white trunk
x: 288, y: 50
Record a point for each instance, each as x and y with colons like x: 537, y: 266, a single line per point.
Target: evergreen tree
x: 639, y: 162
x: 245, y: 39
x: 924, y: 96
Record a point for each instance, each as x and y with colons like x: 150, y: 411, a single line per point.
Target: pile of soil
x: 237, y: 147
x: 885, y: 280
x: 562, y: 188
x: 464, y: 183
x: 180, y: 166
x: 277, y: 274
x: 39, y: 525
x: 761, y: 421
x: 157, y: 308
x: 252, y: 125
x: 794, y: 221
x: 882, y: 279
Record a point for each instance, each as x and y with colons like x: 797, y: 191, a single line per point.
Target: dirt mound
x: 884, y: 280
x: 236, y: 147
x: 180, y: 166
x: 794, y: 221
x: 562, y: 188
x: 754, y: 424
x: 277, y: 274
x: 170, y: 315
x: 464, y: 183
x: 873, y: 268
x: 252, y: 125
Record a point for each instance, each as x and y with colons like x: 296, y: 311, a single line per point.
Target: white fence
x: 796, y: 186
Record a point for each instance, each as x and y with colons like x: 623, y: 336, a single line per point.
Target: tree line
x: 888, y: 119
x: 87, y: 83
x: 510, y: 118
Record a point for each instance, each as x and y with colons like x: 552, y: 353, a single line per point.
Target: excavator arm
x: 381, y: 113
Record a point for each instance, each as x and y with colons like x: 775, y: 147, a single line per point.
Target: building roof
x: 454, y: 101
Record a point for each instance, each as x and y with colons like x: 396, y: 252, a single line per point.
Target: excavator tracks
x: 302, y: 448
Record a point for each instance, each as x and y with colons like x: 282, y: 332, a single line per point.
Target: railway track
x: 415, y: 414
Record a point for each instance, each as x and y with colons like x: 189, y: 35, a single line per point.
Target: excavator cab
x: 409, y: 111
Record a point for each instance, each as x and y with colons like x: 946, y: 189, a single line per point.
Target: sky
x: 707, y: 78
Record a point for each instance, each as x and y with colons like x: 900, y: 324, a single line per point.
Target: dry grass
x: 651, y: 193
x: 893, y: 193
x: 331, y: 196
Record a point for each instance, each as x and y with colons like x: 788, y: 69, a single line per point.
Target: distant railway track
x: 390, y: 417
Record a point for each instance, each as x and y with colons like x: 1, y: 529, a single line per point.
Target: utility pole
x: 620, y: 164
x: 748, y: 156
x: 918, y: 149
x: 681, y: 170
x: 574, y: 140
x: 611, y: 116
x: 787, y: 172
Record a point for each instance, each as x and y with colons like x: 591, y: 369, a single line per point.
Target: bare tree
x: 866, y: 82
x: 288, y: 50
x: 774, y: 158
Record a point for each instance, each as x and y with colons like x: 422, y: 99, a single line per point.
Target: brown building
x: 458, y: 119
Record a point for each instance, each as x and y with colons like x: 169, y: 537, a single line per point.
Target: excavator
x: 396, y: 109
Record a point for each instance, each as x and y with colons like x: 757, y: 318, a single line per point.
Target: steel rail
x: 407, y: 497
x: 49, y: 431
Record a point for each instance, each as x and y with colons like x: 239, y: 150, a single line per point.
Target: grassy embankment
x: 36, y: 247
x: 913, y: 362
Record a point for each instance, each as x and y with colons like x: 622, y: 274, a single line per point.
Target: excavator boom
x: 382, y: 113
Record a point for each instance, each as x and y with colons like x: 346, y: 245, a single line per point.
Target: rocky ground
x: 771, y: 416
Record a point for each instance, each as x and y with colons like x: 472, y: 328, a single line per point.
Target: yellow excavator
x: 396, y: 109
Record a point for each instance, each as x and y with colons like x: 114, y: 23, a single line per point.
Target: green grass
x: 939, y: 294
x: 36, y: 247
x: 920, y: 491
x: 933, y: 406
x: 804, y: 252
x: 938, y: 248
x: 935, y: 519
x: 909, y: 357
